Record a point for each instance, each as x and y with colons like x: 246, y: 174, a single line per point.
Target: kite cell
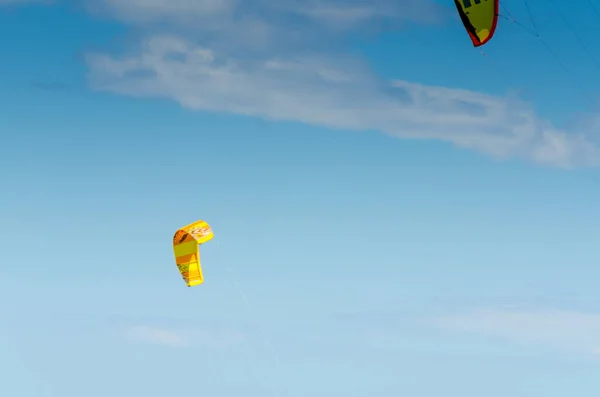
x: 186, y: 246
x: 479, y: 17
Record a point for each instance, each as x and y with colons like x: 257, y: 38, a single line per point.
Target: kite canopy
x: 186, y: 247
x: 479, y: 17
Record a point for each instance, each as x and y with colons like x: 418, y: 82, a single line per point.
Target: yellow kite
x: 186, y: 245
x: 480, y: 18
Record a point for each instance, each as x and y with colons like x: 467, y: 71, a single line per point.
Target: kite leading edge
x: 186, y: 246
x: 479, y: 18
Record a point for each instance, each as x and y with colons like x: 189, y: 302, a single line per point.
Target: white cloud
x: 160, y: 336
x: 346, y: 12
x: 317, y: 91
x: 565, y: 330
x: 144, y: 11
x: 204, y: 337
x: 350, y: 13
x: 251, y: 27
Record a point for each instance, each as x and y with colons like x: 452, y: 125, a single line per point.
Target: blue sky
x: 394, y: 212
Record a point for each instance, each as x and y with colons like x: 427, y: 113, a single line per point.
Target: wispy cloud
x: 204, y: 337
x: 317, y: 91
x: 329, y: 14
x: 160, y: 336
x: 564, y: 330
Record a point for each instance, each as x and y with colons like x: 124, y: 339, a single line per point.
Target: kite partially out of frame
x: 480, y: 18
